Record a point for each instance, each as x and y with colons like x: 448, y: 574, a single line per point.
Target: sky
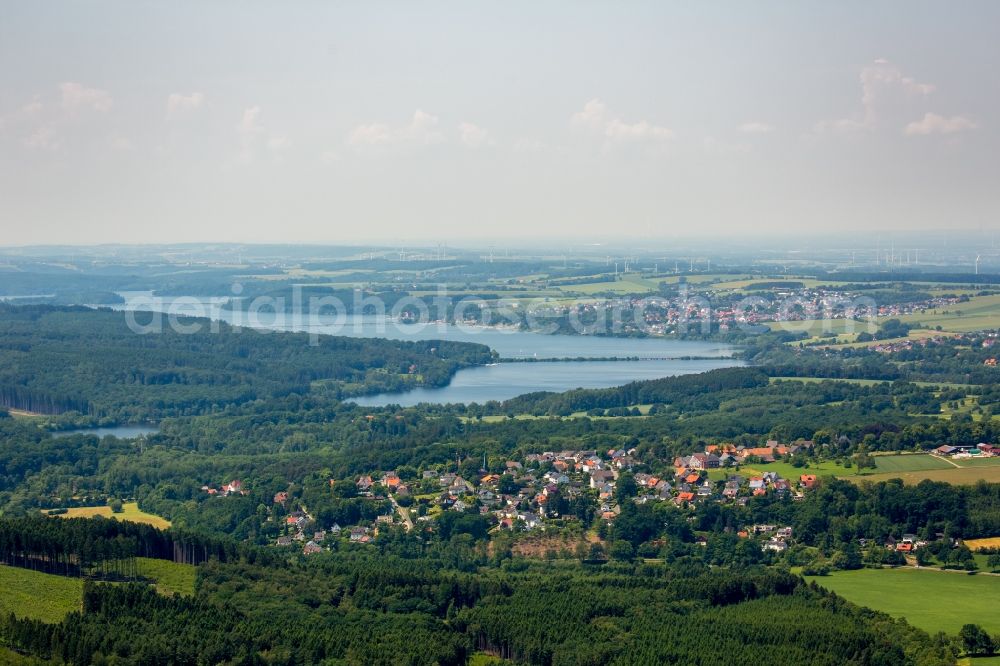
x: 335, y: 122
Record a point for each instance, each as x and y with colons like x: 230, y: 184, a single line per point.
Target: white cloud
x: 248, y: 123
x: 755, y: 127
x: 76, y: 96
x: 43, y: 138
x: 179, y: 103
x: 278, y: 142
x: 32, y: 108
x: 593, y: 116
x: 932, y: 123
x: 594, y: 119
x: 51, y: 122
x: 253, y: 136
x: 421, y: 131
x: 423, y: 128
x: 616, y: 129
x: 122, y: 143
x: 373, y: 134
x: 474, y: 136
x: 720, y: 147
x: 880, y: 81
x: 528, y: 145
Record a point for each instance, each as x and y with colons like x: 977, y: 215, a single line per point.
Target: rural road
x: 403, y: 513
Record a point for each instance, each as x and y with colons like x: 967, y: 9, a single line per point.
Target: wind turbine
x: 978, y: 257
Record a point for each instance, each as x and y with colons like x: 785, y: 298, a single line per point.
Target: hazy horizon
x: 398, y: 123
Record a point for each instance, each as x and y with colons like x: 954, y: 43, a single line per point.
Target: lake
x: 122, y: 432
x: 660, y: 357
x: 506, y: 380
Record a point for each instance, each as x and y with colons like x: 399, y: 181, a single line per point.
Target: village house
x: 775, y: 545
x: 599, y: 478
x: 233, y: 487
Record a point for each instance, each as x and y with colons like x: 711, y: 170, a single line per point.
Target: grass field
x: 976, y: 544
x: 627, y: 285
x: 785, y: 470
x: 912, y: 468
x: 130, y: 512
x: 170, y: 577
x: 978, y: 462
x: 910, y: 463
x: 39, y: 596
x: 914, y: 334
x: 979, y: 661
x: 967, y: 472
x: 867, y: 382
x: 931, y: 600
x: 960, y: 476
x: 48, y: 597
x: 820, y: 327
x: 11, y: 658
x: 483, y: 659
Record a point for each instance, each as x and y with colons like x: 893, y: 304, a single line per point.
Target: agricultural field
x: 904, y: 593
x: 130, y: 512
x: 914, y: 334
x: 978, y: 544
x: 980, y: 312
x: 626, y: 285
x: 824, y: 327
x: 39, y: 596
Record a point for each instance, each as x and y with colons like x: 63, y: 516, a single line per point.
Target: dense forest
x: 409, y: 606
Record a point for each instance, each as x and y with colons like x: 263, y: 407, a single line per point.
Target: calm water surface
x: 122, y: 432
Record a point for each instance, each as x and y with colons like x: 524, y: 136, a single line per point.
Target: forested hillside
x: 326, y: 532
x: 55, y: 360
x: 408, y: 605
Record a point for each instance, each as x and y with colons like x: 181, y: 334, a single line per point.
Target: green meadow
x: 38, y: 596
x: 929, y: 599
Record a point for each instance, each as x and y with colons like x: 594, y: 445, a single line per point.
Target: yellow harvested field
x: 130, y: 512
x: 979, y: 544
